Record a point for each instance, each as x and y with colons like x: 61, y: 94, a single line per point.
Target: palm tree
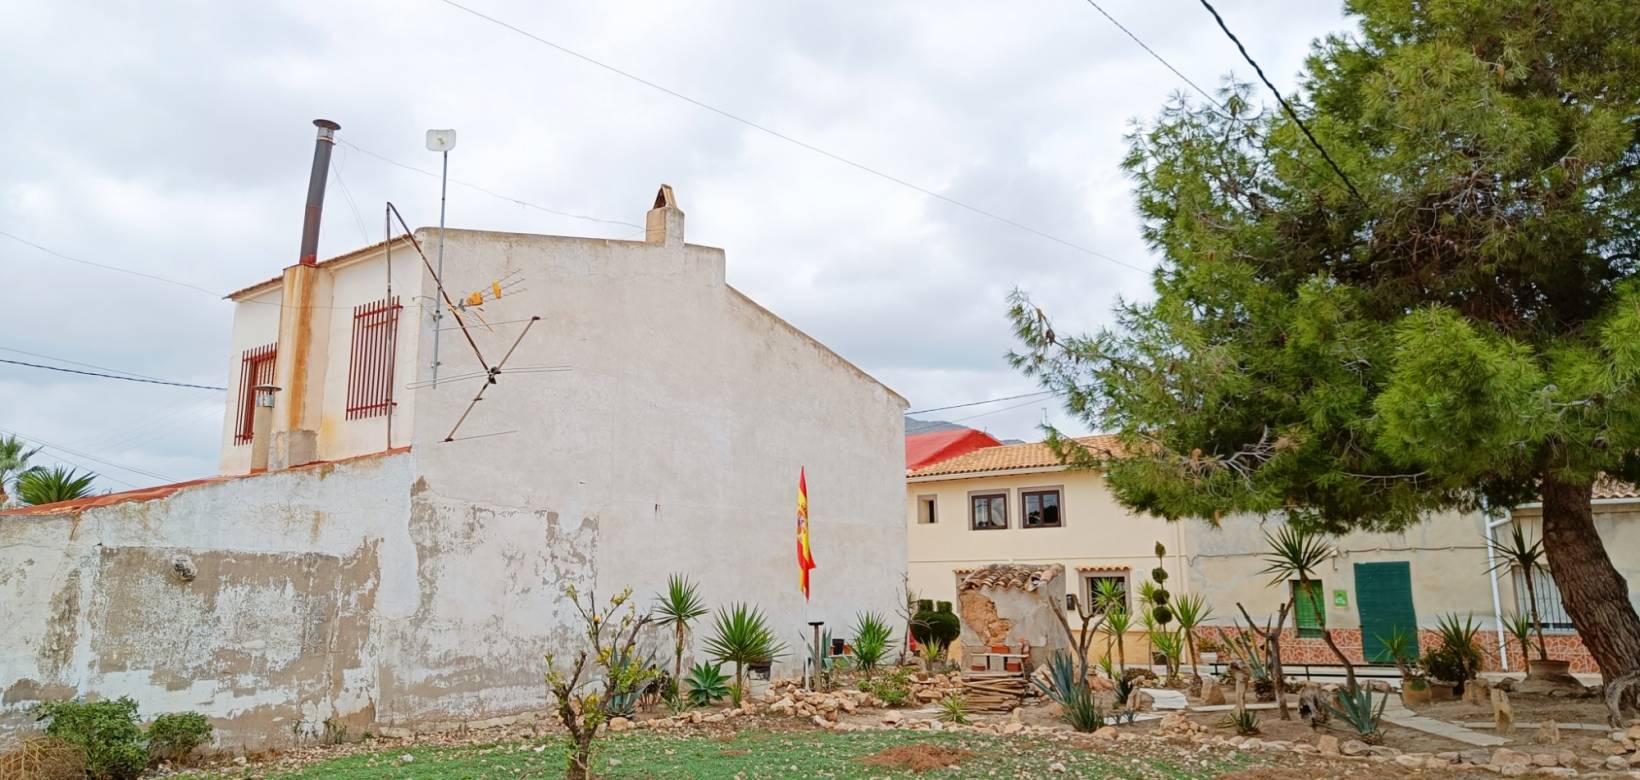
x: 1110, y: 597
x: 1528, y: 558
x: 1117, y: 621
x: 678, y: 607
x: 742, y: 636
x: 14, y: 457
x: 41, y: 485
x: 1296, y: 554
x: 1192, y: 611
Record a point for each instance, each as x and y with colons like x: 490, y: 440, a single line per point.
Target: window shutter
x: 1305, y: 601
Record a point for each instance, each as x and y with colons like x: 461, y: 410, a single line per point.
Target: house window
x: 370, y: 364
x: 1039, y: 508
x: 1309, y: 612
x: 1104, y: 591
x: 988, y: 511
x: 927, y: 513
x: 255, y: 368
x: 1550, y: 609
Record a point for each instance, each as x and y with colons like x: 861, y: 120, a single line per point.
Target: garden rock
x: 1548, y: 733
x: 1617, y: 763
x: 1212, y: 694
x: 1507, y: 757
x: 617, y: 725
x: 1328, y: 745
x: 1353, y: 747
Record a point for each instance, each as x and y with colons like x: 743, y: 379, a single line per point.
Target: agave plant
x: 707, y: 684
x: 873, y: 641
x: 1245, y: 722
x: 1528, y: 559
x: 741, y: 636
x: 41, y: 485
x: 1191, y: 610
x: 678, y: 608
x: 1355, y: 708
x: 1299, y: 555
x: 1070, y: 691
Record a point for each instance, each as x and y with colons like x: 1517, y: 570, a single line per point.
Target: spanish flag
x: 805, y: 556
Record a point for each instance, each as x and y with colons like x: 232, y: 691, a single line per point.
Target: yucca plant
x: 1527, y: 558
x: 1117, y: 622
x: 1457, y: 656
x: 1245, y: 722
x: 707, y: 684
x: 1355, y: 708
x: 954, y: 709
x: 1403, y: 653
x: 677, y: 609
x: 931, y: 654
x: 1070, y: 691
x: 1192, y: 610
x: 41, y: 485
x: 1296, y: 554
x: 873, y: 641
x: 1171, y: 647
x: 741, y: 636
x: 1520, y: 627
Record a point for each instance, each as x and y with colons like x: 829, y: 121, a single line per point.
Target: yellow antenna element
x: 496, y: 288
x: 476, y: 299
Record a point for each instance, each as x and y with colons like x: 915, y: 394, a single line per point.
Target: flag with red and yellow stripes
x: 805, y: 556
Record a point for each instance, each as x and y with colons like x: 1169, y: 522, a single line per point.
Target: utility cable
x: 1152, y: 52
x: 1291, y: 114
x: 77, y: 363
x: 50, y: 446
x: 111, y: 376
x: 980, y: 403
x: 792, y: 140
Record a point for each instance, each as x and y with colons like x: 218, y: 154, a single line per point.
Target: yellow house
x: 1016, y: 503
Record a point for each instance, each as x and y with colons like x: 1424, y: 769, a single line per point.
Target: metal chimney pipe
x: 316, y: 190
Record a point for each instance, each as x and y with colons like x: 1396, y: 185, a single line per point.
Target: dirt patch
x: 917, y: 757
x: 732, y: 753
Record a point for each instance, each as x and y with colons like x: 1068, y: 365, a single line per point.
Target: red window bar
x: 255, y: 368
x: 370, y: 366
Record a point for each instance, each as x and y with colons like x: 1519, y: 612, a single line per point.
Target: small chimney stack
x: 316, y: 190
x: 664, y: 223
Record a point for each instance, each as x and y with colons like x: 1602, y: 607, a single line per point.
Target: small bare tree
x: 602, y: 671
x: 1271, y: 634
x: 1091, y: 619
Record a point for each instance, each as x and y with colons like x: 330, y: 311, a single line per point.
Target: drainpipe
x: 1489, y: 525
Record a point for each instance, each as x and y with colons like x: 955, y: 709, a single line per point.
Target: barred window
x: 255, y: 368
x: 370, y: 364
x: 1549, y: 607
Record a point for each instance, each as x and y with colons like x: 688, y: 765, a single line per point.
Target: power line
x: 790, y: 139
x: 75, y: 362
x: 1146, y: 47
x: 50, y: 446
x: 980, y: 403
x: 995, y: 411
x: 111, y: 376
x: 155, y: 277
x: 1283, y: 101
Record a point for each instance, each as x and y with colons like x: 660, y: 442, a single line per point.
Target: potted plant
x: 1456, y: 657
x: 1527, y: 558
x: 1400, y: 648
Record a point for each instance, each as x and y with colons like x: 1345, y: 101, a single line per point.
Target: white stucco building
x: 371, y: 569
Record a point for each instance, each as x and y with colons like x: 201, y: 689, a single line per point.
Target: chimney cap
x: 326, y: 124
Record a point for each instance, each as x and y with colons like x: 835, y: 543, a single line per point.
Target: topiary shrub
x: 106, y: 732
x: 175, y: 736
x: 933, y: 627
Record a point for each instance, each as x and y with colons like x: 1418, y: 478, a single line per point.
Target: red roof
x: 924, y: 448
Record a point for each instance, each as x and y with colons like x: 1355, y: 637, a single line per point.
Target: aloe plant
x: 677, y: 609
x: 741, y: 636
x: 1528, y: 558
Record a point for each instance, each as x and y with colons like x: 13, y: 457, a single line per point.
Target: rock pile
x: 787, y: 698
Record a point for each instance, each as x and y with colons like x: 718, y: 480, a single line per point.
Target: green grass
x: 759, y: 754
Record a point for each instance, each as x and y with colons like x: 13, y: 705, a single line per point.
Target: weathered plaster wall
x: 673, y: 444
x: 276, y: 630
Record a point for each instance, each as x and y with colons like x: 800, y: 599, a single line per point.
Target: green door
x: 1383, y: 596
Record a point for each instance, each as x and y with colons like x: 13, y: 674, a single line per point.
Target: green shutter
x: 1383, y: 597
x: 1305, y: 615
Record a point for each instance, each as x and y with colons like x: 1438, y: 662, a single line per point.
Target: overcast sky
x: 175, y: 138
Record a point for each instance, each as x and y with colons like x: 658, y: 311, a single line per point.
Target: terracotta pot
x: 1442, y: 691
x: 1415, y: 692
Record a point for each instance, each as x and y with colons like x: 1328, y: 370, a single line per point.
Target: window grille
x: 1550, y: 609
x: 370, y: 364
x: 255, y: 368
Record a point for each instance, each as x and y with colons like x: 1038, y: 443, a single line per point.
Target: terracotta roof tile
x: 1022, y: 576
x: 1608, y: 488
x: 1008, y: 457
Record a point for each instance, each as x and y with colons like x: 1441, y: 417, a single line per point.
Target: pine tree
x: 1464, y: 329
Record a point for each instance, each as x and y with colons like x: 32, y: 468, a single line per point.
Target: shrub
x: 707, y: 684
x: 1457, y: 657
x: 175, y: 736
x: 893, y: 688
x: 1245, y: 722
x: 610, y: 635
x: 106, y: 733
x: 741, y: 636
x: 954, y: 709
x: 936, y: 627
